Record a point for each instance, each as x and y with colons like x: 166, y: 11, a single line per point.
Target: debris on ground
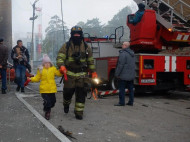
x: 144, y: 105
x: 66, y: 133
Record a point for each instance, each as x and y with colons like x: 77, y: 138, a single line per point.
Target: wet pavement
x: 153, y: 118
x: 18, y: 124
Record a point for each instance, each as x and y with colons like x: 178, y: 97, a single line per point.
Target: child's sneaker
x: 47, y: 115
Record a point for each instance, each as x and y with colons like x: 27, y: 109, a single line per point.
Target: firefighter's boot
x: 79, y: 115
x: 79, y: 108
x: 66, y: 104
x: 66, y: 108
x: 67, y: 96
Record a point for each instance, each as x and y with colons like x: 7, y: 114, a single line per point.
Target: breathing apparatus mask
x: 76, y: 39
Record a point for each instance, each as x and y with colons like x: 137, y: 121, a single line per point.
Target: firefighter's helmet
x: 76, y: 29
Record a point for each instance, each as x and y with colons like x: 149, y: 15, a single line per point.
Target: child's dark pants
x: 49, y: 101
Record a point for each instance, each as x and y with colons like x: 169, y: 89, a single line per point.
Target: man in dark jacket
x: 3, y: 65
x: 125, y: 72
x: 20, y: 58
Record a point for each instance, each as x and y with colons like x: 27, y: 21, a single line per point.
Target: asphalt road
x: 153, y: 118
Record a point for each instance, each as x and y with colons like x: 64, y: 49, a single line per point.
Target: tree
x: 54, y: 25
x: 119, y: 19
x: 54, y: 37
x: 95, y: 28
x: 92, y: 27
x: 81, y: 24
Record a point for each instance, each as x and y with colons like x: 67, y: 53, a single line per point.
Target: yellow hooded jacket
x: 47, y: 79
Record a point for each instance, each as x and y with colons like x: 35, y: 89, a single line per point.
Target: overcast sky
x: 73, y: 11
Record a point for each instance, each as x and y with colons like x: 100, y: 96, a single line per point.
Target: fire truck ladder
x: 119, y: 32
x: 172, y: 14
x: 95, y: 45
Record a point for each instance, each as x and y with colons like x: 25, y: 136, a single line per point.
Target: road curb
x: 54, y: 130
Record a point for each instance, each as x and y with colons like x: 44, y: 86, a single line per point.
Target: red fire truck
x: 161, y: 41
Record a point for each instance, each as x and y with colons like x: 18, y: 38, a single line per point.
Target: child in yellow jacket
x: 46, y: 75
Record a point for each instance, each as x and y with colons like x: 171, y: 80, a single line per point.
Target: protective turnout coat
x: 76, y: 69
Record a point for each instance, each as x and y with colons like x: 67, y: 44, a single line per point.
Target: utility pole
x: 32, y: 41
x: 62, y: 20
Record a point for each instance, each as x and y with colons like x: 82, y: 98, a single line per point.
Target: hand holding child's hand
x: 27, y: 81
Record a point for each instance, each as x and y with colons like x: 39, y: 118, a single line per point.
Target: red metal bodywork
x: 164, y: 63
x: 181, y: 67
x: 144, y: 32
x: 149, y: 35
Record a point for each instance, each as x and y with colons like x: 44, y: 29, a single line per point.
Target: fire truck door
x: 102, y: 69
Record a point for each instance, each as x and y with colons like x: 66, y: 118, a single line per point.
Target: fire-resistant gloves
x: 94, y: 75
x: 27, y: 81
x: 63, y: 70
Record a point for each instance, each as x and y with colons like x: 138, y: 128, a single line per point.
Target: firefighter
x: 139, y: 14
x: 75, y: 60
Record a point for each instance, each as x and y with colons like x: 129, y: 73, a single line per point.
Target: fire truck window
x: 188, y: 64
x: 148, y: 64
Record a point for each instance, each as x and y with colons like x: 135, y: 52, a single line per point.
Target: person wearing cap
x: 76, y: 61
x: 125, y: 73
x: 138, y: 15
x: 20, y: 57
x: 46, y: 76
x: 3, y: 65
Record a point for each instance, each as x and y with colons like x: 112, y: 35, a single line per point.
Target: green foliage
x: 54, y: 38
x: 54, y: 25
x: 94, y: 27
x: 54, y: 34
x: 120, y: 18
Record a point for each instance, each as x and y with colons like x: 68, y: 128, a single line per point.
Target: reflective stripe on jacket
x: 86, y: 58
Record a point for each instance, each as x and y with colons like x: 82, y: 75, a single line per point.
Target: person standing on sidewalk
x: 20, y: 58
x: 46, y: 74
x: 3, y: 65
x: 125, y: 73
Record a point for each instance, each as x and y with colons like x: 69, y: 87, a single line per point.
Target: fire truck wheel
x: 113, y: 83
